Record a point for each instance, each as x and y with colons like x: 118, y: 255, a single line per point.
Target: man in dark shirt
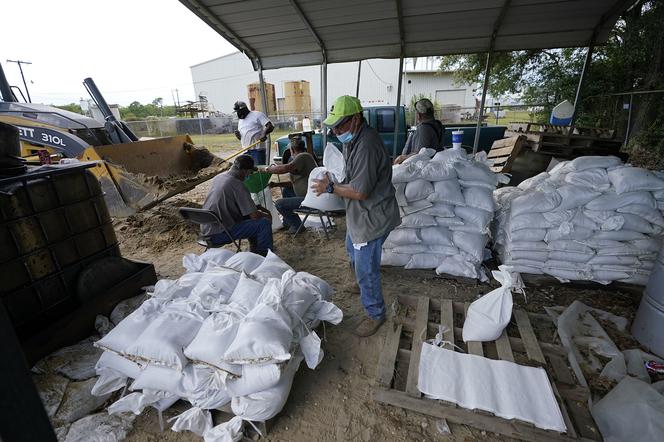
x: 232, y: 202
x: 299, y: 167
x: 371, y: 207
x: 429, y: 132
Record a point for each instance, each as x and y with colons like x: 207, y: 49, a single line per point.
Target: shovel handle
x: 244, y: 149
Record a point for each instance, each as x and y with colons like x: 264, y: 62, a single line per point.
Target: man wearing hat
x: 429, y: 132
x: 251, y: 126
x: 232, y: 202
x: 371, y: 207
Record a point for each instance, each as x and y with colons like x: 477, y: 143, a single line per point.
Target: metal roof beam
x: 311, y: 29
x: 204, y: 13
x: 498, y: 23
x: 402, y: 40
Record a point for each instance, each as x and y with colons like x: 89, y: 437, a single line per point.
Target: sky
x: 134, y: 50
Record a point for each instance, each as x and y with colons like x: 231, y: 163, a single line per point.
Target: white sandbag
x: 572, y: 257
x: 632, y: 179
x: 108, y: 381
x: 204, y: 386
x: 574, y: 196
x: 590, y: 162
x: 244, y: 262
x: 527, y: 245
x: 129, y: 329
x: 167, y: 290
x: 160, y: 378
x: 197, y: 263
x: 425, y: 261
x: 436, y: 236
x: 612, y: 201
x: 651, y: 215
x: 532, y: 182
x: 75, y: 362
x: 525, y: 266
x: 440, y: 210
x: 470, y: 243
x: 389, y: 258
x: 405, y: 173
x: 447, y: 191
x: 532, y: 255
x: 528, y: 235
x: 325, y: 201
x: 443, y: 250
x: 438, y: 171
x: 403, y: 237
x: 488, y: 316
x: 418, y: 190
x: 410, y: 249
x: 417, y: 220
x: 254, y: 378
x: 125, y: 307
x: 78, y: 402
x: 479, y: 198
x: 414, y: 207
x: 448, y: 222
x: 246, y: 292
x: 215, y: 336
x: 164, y: 339
x: 196, y: 420
x: 572, y: 232
x: 214, y: 288
x: 271, y: 267
x: 418, y: 157
x: 230, y: 431
x: 596, y: 179
x: 266, y: 404
x: 100, y: 427
x: 263, y: 336
x: 614, y: 260
x: 535, y: 202
x: 558, y: 217
x: 333, y: 160
x: 531, y: 220
x: 475, y: 171
x: 458, y: 266
x: 477, y: 218
x: 322, y: 288
x: 450, y: 155
x: 117, y: 363
x: 647, y: 245
x: 638, y: 224
x: 620, y: 235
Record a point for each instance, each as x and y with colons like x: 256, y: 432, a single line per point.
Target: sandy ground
x: 333, y: 402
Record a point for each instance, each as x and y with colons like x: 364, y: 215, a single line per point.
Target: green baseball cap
x: 344, y: 106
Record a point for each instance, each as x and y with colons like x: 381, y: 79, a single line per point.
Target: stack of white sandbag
x: 446, y: 204
x: 231, y: 332
x: 592, y: 218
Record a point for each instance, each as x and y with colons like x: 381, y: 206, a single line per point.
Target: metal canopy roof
x: 281, y: 33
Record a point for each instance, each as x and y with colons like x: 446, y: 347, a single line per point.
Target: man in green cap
x: 371, y: 207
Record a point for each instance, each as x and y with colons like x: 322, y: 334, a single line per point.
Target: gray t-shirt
x: 428, y: 134
x: 369, y: 171
x: 229, y: 199
x: 304, y: 163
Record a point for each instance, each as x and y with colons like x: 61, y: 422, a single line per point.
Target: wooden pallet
x: 533, y: 280
x: 504, y: 152
x: 398, y: 367
x: 597, y: 132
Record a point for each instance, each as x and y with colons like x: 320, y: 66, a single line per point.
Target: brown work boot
x: 368, y: 326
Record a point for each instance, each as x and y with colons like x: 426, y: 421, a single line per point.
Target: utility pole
x: 20, y: 68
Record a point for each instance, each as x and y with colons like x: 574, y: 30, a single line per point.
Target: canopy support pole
x: 397, y: 109
x: 261, y: 80
x: 359, y: 73
x: 485, y: 86
x: 582, y: 79
x: 323, y: 99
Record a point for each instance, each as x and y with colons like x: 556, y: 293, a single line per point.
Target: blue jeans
x: 257, y: 231
x: 285, y: 206
x: 366, y: 263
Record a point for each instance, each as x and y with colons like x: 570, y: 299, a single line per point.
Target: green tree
x: 71, y: 107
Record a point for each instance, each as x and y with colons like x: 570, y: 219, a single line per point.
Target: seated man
x: 299, y: 167
x: 232, y: 202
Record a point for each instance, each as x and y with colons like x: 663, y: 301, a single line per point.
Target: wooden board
x: 504, y: 152
x: 571, y: 397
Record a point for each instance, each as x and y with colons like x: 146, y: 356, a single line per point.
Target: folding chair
x: 202, y: 216
x: 326, y: 223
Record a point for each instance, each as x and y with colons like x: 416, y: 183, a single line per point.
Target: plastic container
x: 257, y: 181
x: 457, y: 138
x: 648, y: 325
x: 562, y: 114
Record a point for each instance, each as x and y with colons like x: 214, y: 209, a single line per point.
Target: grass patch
x: 227, y: 143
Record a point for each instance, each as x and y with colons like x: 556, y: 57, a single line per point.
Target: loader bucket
x: 136, y: 176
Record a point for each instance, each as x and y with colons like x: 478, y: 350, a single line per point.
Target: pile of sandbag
x: 230, y: 333
x: 592, y: 219
x: 446, y: 204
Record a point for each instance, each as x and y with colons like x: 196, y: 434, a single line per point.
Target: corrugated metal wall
x: 224, y: 80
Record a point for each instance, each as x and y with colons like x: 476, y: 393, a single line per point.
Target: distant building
x: 224, y: 80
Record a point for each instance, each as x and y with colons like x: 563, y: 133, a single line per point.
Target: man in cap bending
x: 252, y: 126
x: 371, y: 207
x: 232, y: 203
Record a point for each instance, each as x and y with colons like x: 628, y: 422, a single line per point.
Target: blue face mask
x: 345, y: 137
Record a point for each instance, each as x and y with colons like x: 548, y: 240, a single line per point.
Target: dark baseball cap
x: 244, y: 162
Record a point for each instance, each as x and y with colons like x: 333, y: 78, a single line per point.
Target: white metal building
x: 224, y: 80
